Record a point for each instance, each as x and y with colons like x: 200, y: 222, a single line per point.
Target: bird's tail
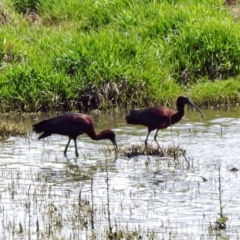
x: 132, y: 118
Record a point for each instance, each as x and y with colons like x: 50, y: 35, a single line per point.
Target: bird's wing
x: 153, y: 117
x: 66, y: 121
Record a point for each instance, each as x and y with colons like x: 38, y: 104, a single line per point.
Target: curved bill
x: 193, y: 105
x: 115, y: 144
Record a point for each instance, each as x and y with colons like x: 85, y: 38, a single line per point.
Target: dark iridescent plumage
x: 159, y: 117
x: 72, y: 125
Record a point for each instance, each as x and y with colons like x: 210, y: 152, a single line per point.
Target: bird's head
x: 110, y: 134
x: 185, y: 100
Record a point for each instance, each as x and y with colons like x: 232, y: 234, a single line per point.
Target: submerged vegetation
x: 66, y: 55
x: 139, y: 149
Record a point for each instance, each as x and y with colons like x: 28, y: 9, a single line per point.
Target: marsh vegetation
x: 85, y: 54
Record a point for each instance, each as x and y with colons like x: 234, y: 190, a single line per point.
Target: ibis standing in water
x: 72, y: 125
x: 159, y: 117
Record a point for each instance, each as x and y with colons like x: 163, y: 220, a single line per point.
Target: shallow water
x: 44, y: 195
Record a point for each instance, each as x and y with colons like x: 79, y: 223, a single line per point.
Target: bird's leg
x: 65, y: 151
x: 76, y: 151
x: 155, y: 138
x: 146, y: 142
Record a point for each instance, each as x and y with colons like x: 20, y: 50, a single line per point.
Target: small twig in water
x: 174, y: 151
x: 221, y: 221
x: 79, y: 208
x: 108, y: 202
x: 29, y: 213
x: 92, y: 211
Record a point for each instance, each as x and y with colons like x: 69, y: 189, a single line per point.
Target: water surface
x: 47, y: 196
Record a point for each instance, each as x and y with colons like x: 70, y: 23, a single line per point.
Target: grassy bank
x: 67, y: 55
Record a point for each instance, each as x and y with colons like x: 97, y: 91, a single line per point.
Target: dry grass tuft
x: 33, y: 17
x: 234, y: 8
x: 8, y: 129
x: 139, y: 149
x: 3, y: 17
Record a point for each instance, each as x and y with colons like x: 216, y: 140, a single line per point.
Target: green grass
x: 78, y: 54
x: 219, y: 92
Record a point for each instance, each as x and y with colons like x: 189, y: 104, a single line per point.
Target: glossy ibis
x: 72, y: 125
x: 159, y: 117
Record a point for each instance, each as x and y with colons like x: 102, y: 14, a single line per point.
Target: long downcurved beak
x: 115, y: 144
x: 193, y: 105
